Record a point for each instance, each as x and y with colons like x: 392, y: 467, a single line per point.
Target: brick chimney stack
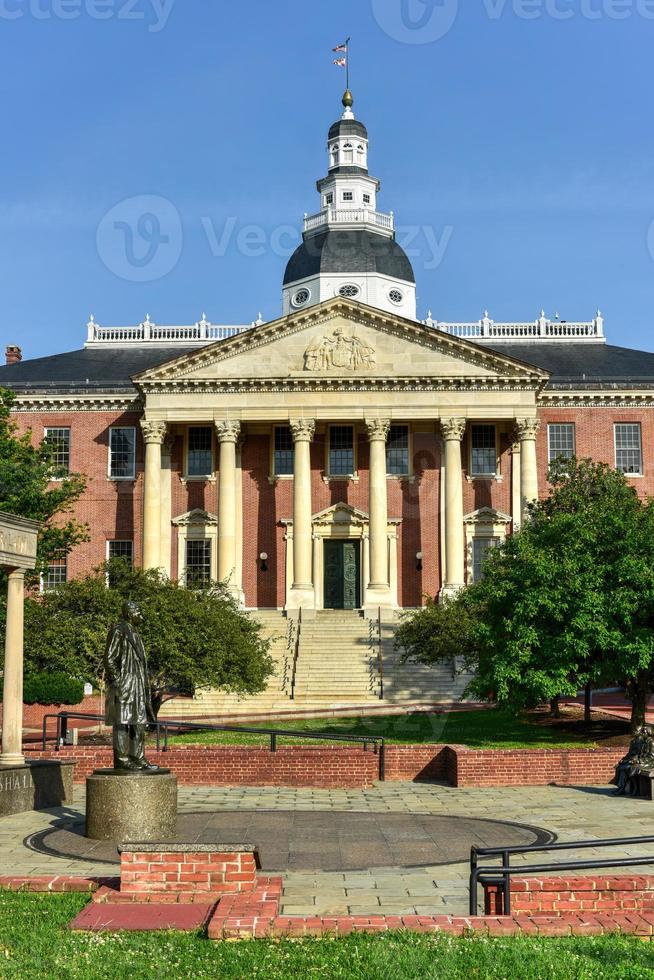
x: 13, y: 354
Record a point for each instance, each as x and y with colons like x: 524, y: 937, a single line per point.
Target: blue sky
x: 513, y: 138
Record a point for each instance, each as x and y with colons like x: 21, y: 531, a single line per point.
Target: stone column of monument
x: 12, y: 709
x: 228, y: 433
x: 154, y: 433
x: 527, y: 430
x: 302, y: 594
x: 377, y: 589
x: 453, y: 430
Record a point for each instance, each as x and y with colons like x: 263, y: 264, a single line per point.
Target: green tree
x: 567, y: 602
x: 194, y: 638
x: 27, y: 488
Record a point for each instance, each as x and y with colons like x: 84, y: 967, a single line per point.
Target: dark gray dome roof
x: 348, y: 127
x: 348, y: 253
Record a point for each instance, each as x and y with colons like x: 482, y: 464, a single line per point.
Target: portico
x: 391, y: 375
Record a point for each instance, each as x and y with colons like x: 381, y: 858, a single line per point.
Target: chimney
x: 13, y: 354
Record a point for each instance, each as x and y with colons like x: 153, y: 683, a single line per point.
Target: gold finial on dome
x: 348, y: 99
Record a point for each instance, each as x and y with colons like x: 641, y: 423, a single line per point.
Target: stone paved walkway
x: 582, y: 813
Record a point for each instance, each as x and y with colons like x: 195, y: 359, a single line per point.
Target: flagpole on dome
x: 348, y: 99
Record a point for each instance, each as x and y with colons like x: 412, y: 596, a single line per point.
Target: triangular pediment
x: 339, y: 341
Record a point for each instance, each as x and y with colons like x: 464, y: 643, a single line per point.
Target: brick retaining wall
x: 334, y: 766
x: 566, y: 895
x: 33, y: 714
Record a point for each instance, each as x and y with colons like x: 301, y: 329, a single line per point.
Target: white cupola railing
x: 349, y: 216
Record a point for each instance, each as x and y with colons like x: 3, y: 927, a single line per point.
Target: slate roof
x: 343, y: 252
x: 109, y: 370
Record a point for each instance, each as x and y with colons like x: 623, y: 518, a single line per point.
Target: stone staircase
x: 337, y: 667
x: 337, y: 663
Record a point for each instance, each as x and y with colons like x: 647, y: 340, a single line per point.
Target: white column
x: 302, y: 593
x: 527, y: 429
x: 166, y: 531
x: 453, y: 431
x: 154, y: 433
x: 378, y: 591
x: 12, y: 699
x: 228, y: 433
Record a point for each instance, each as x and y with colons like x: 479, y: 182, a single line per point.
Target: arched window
x: 361, y: 153
x: 334, y: 152
x: 348, y: 153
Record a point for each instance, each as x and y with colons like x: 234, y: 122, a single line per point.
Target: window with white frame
x: 348, y: 153
x: 283, y: 453
x: 58, y: 442
x: 628, y: 450
x: 329, y: 199
x: 348, y: 195
x: 54, y: 575
x: 199, y: 460
x: 481, y: 547
x: 397, y: 451
x: 366, y: 199
x: 483, y: 451
x: 341, y: 450
x: 198, y: 562
x: 561, y: 440
x: 122, y: 453
x: 121, y: 549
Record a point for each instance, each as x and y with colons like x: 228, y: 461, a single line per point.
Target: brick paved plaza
x: 568, y: 812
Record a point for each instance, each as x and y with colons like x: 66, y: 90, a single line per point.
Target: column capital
x: 154, y: 431
x: 303, y: 430
x: 527, y: 428
x: 453, y: 429
x: 228, y: 431
x: 378, y: 429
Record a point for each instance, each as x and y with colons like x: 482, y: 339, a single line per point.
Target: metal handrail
x: 488, y: 875
x: 296, y: 652
x: 377, y: 741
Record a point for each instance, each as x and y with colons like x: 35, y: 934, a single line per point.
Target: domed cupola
x: 349, y: 247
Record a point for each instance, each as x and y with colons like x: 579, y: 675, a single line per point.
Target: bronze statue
x: 639, y: 759
x: 129, y: 708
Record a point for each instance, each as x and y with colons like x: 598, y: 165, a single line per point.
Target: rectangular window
x: 480, y: 550
x: 122, y: 453
x: 397, y: 451
x: 121, y: 549
x: 348, y: 196
x: 283, y: 457
x: 198, y: 563
x: 200, y: 451
x: 58, y: 440
x: 628, y: 454
x: 561, y: 440
x: 366, y: 198
x: 341, y: 450
x: 483, y: 456
x: 54, y: 575
x: 329, y: 199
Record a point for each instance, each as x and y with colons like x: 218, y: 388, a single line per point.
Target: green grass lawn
x: 489, y: 728
x: 35, y: 943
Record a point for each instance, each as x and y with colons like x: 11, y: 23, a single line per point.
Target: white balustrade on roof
x: 488, y: 330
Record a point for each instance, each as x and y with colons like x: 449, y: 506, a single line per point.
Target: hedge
x: 52, y: 689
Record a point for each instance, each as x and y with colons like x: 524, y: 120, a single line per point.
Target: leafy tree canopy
x: 194, y: 638
x: 568, y: 601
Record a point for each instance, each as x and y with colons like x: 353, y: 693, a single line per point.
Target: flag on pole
x: 341, y: 62
x: 341, y: 47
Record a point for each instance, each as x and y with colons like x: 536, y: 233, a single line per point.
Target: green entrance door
x: 342, y: 575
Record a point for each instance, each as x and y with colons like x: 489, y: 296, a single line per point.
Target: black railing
x: 296, y: 652
x: 164, y: 725
x: 500, y: 875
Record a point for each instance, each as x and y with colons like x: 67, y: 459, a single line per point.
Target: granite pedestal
x: 35, y: 786
x: 131, y: 806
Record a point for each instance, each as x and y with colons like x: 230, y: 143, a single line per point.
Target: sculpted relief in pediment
x: 339, y: 351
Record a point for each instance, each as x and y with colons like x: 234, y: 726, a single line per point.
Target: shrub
x: 51, y: 689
